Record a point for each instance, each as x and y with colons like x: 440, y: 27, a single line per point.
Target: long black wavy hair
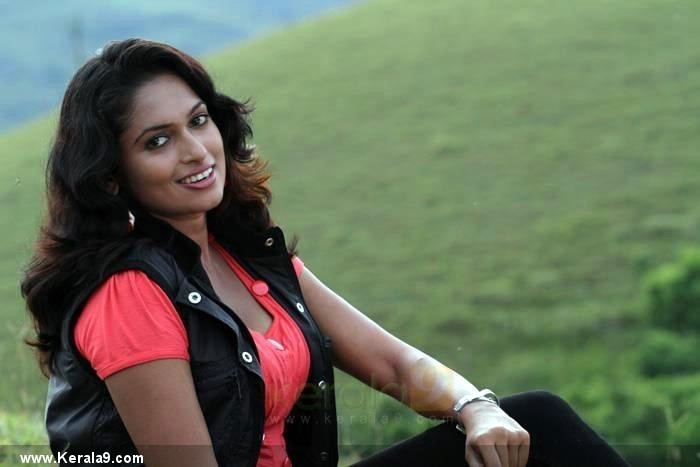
x: 85, y: 226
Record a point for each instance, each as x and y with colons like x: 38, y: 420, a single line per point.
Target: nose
x: 193, y: 148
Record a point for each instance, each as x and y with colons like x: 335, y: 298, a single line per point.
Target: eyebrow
x: 165, y: 125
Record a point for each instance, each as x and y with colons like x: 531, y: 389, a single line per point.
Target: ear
x: 112, y: 185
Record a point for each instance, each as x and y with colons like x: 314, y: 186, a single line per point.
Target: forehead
x: 162, y: 99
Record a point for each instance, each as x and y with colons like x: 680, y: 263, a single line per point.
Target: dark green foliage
x: 650, y: 423
x: 666, y: 353
x: 673, y: 294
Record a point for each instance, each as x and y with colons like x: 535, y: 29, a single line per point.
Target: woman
x: 173, y: 321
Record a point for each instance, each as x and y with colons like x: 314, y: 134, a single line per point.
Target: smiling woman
x: 173, y: 320
x: 151, y: 162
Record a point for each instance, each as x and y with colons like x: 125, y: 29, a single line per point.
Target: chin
x: 216, y: 200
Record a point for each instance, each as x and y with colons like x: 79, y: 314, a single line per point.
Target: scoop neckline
x: 272, y: 316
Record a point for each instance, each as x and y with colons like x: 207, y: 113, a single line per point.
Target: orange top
x: 130, y: 320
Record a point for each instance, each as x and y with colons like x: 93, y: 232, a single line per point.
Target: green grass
x: 21, y: 433
x: 487, y: 180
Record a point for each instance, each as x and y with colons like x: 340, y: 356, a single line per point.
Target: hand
x: 493, y: 438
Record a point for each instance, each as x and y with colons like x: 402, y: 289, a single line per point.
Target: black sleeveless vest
x: 80, y: 415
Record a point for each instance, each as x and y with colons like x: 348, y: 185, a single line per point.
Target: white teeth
x: 198, y: 177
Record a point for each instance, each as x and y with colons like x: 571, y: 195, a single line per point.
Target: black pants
x: 558, y: 438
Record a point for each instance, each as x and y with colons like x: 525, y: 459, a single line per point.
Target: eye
x: 200, y: 119
x: 156, y: 142
x: 159, y: 141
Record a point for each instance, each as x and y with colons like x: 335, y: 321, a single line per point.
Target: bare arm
x: 371, y: 354
x: 159, y: 407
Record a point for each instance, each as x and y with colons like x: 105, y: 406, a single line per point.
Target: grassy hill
x: 487, y: 180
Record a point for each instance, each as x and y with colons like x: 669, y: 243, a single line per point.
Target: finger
x: 502, y: 451
x: 513, y: 455
x: 473, y: 458
x: 490, y: 455
x: 523, y: 454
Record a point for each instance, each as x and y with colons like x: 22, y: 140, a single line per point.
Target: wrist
x: 467, y: 405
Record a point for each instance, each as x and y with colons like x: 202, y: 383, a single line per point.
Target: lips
x: 197, y: 172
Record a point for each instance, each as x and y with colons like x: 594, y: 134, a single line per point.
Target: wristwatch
x: 485, y: 395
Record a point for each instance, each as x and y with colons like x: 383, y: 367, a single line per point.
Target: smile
x: 197, y: 177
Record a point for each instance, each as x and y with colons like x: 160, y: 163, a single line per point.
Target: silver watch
x: 485, y: 395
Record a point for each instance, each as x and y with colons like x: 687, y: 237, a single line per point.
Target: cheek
x: 146, y: 178
x: 215, y: 142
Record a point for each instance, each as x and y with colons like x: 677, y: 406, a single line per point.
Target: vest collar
x: 243, y: 242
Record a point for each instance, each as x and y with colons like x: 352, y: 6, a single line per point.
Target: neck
x: 195, y: 227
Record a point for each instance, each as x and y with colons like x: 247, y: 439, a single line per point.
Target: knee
x: 541, y: 400
x: 547, y: 397
x: 549, y: 401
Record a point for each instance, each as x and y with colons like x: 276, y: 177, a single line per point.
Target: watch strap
x: 485, y: 395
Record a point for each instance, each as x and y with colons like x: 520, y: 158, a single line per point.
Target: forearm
x: 427, y: 386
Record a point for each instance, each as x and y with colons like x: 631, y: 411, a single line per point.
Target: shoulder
x: 124, y: 295
x: 153, y: 261
x: 126, y: 284
x: 128, y: 318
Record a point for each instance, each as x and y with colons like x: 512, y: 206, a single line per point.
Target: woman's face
x: 169, y: 137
